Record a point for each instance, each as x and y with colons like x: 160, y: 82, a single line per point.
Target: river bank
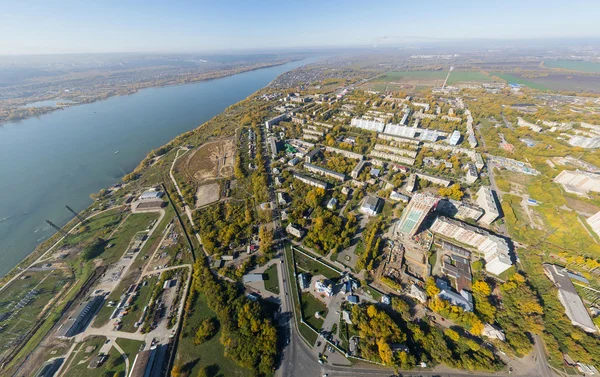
x: 27, y: 111
x: 61, y: 158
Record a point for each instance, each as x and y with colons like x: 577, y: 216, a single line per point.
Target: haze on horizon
x: 46, y: 27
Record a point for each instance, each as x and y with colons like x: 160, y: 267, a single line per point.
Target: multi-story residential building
x: 274, y: 121
x: 345, y: 153
x: 311, y: 181
x: 357, y: 169
x: 312, y: 155
x: 486, y: 199
x: 294, y: 230
x: 400, y: 130
x: 392, y: 157
x: 394, y: 150
x: 325, y: 172
x: 454, y: 138
x: 472, y: 174
x: 435, y: 180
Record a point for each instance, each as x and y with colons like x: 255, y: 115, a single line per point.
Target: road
x: 186, y: 207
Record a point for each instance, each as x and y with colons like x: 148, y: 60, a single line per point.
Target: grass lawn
x: 306, y: 264
x: 135, y: 223
x: 79, y: 366
x: 272, y: 280
x: 211, y: 353
x: 311, y: 305
x: 130, y: 347
x: 97, y: 226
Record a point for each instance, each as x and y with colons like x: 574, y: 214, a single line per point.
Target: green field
x: 432, y: 75
x: 130, y: 347
x: 311, y: 305
x: 135, y: 223
x: 581, y: 66
x: 137, y: 307
x: 98, y: 226
x: 518, y: 80
x: 209, y: 354
x: 468, y: 76
x: 79, y: 366
x: 306, y: 264
x: 272, y: 281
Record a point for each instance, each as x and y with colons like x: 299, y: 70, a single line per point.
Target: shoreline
x: 42, y: 247
x: 130, y: 91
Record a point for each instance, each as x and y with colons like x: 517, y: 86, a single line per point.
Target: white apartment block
x: 487, y: 201
x: 578, y: 182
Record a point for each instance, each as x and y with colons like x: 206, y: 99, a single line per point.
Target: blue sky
x: 52, y: 26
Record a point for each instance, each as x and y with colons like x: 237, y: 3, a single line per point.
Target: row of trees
x: 249, y: 337
x: 372, y: 244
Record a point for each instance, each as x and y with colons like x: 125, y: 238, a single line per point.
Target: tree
x: 94, y: 249
x: 176, y: 371
x: 430, y: 287
x: 206, y: 330
x: 452, y: 192
x: 452, y: 334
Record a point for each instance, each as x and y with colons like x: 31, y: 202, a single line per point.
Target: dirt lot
x: 207, y: 194
x: 212, y: 160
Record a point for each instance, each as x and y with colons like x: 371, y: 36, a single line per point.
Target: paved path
x: 125, y: 356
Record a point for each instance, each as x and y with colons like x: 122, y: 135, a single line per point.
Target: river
x: 61, y: 158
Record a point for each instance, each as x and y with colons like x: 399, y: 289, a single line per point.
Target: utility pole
x: 58, y: 229
x: 76, y: 214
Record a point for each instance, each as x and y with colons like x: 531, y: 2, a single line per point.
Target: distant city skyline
x: 44, y: 27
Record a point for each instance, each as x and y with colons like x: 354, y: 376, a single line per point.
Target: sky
x: 70, y: 26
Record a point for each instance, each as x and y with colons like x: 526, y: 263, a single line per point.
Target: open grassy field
x: 306, y: 264
x: 468, y: 76
x: 97, y: 226
x: 581, y: 66
x: 130, y: 347
x: 272, y: 281
x: 135, y: 223
x: 513, y: 79
x: 79, y: 367
x: 210, y: 354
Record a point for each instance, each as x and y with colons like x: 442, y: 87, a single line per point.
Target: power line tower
x: 58, y: 229
x: 76, y: 214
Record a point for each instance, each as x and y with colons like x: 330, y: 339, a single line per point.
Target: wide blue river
x: 61, y: 158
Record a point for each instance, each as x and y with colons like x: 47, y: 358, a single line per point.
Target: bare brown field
x: 207, y: 194
x: 210, y: 161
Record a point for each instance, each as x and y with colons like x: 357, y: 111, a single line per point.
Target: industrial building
x: 486, y: 199
x: 400, y: 129
x: 578, y: 182
x: 50, y: 367
x: 594, y: 223
x: 151, y: 195
x: 495, y: 250
x: 367, y: 124
x: 569, y: 298
x: 325, y: 172
x: 81, y: 317
x: 149, y: 363
x: 371, y: 206
x: 585, y: 142
x: 413, y: 215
